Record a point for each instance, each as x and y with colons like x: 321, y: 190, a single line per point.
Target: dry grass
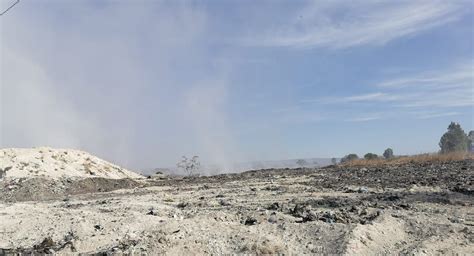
x: 422, y: 158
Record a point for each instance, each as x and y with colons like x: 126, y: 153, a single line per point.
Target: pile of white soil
x: 57, y: 163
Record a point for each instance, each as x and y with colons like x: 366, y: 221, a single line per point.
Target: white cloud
x: 451, y: 87
x: 340, y: 24
x: 433, y: 93
x: 429, y: 115
x: 363, y: 119
x: 368, y: 97
x: 460, y: 76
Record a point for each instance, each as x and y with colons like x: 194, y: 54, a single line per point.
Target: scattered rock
x: 275, y: 188
x: 356, y: 190
x: 274, y: 206
x: 272, y: 219
x: 456, y: 219
x: 45, y: 245
x: 224, y: 202
x: 309, y: 216
x: 152, y: 211
x: 250, y: 221
x: 182, y: 205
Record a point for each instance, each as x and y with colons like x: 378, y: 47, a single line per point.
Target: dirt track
x: 414, y: 208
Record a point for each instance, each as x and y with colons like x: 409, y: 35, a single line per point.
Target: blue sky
x: 141, y: 83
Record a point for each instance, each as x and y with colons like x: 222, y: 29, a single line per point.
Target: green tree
x: 470, y: 145
x: 370, y: 156
x: 454, y: 140
x: 333, y: 160
x: 349, y: 158
x: 388, y: 153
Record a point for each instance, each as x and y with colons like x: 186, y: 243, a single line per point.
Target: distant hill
x: 289, y: 163
x: 246, y: 166
x: 57, y: 163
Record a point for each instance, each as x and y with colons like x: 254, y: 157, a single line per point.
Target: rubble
x: 337, y: 210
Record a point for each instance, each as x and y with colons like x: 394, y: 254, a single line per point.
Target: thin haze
x: 141, y: 83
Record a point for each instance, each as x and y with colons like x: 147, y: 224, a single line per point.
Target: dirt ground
x: 421, y: 209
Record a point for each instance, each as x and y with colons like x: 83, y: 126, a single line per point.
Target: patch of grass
x: 422, y: 158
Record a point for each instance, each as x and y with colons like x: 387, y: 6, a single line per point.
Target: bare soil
x: 411, y: 208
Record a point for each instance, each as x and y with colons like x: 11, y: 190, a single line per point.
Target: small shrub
x: 371, y: 156
x: 422, y: 158
x: 349, y: 158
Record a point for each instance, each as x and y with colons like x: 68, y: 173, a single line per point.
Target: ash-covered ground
x: 416, y: 208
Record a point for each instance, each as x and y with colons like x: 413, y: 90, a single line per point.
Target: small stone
x: 182, y: 205
x: 250, y: 221
x: 274, y: 206
x: 152, y: 212
x: 456, y: 220
x: 224, y: 202
x: 272, y: 219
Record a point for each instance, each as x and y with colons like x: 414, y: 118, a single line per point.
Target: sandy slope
x: 57, y: 163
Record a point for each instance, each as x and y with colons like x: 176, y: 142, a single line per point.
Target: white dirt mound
x: 57, y: 163
x: 379, y: 238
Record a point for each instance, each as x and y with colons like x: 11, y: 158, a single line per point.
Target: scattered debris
x: 249, y: 221
x: 387, y: 210
x: 224, y: 202
x: 182, y: 205
x: 274, y: 206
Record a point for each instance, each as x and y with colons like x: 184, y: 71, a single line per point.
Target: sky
x: 141, y: 83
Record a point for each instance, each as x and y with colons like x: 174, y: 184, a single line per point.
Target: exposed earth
x: 416, y: 208
x: 57, y: 163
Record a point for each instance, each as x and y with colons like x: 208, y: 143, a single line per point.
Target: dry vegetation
x: 422, y: 158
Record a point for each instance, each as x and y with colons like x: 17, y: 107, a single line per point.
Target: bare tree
x: 301, y: 162
x: 190, y: 166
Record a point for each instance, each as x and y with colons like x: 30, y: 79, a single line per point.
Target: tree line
x: 454, y: 140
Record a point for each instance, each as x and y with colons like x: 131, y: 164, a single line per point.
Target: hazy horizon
x: 141, y: 83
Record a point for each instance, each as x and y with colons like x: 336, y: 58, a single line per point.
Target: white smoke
x: 103, y: 80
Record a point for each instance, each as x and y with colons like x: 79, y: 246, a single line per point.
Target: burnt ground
x: 456, y: 176
x: 415, y: 208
